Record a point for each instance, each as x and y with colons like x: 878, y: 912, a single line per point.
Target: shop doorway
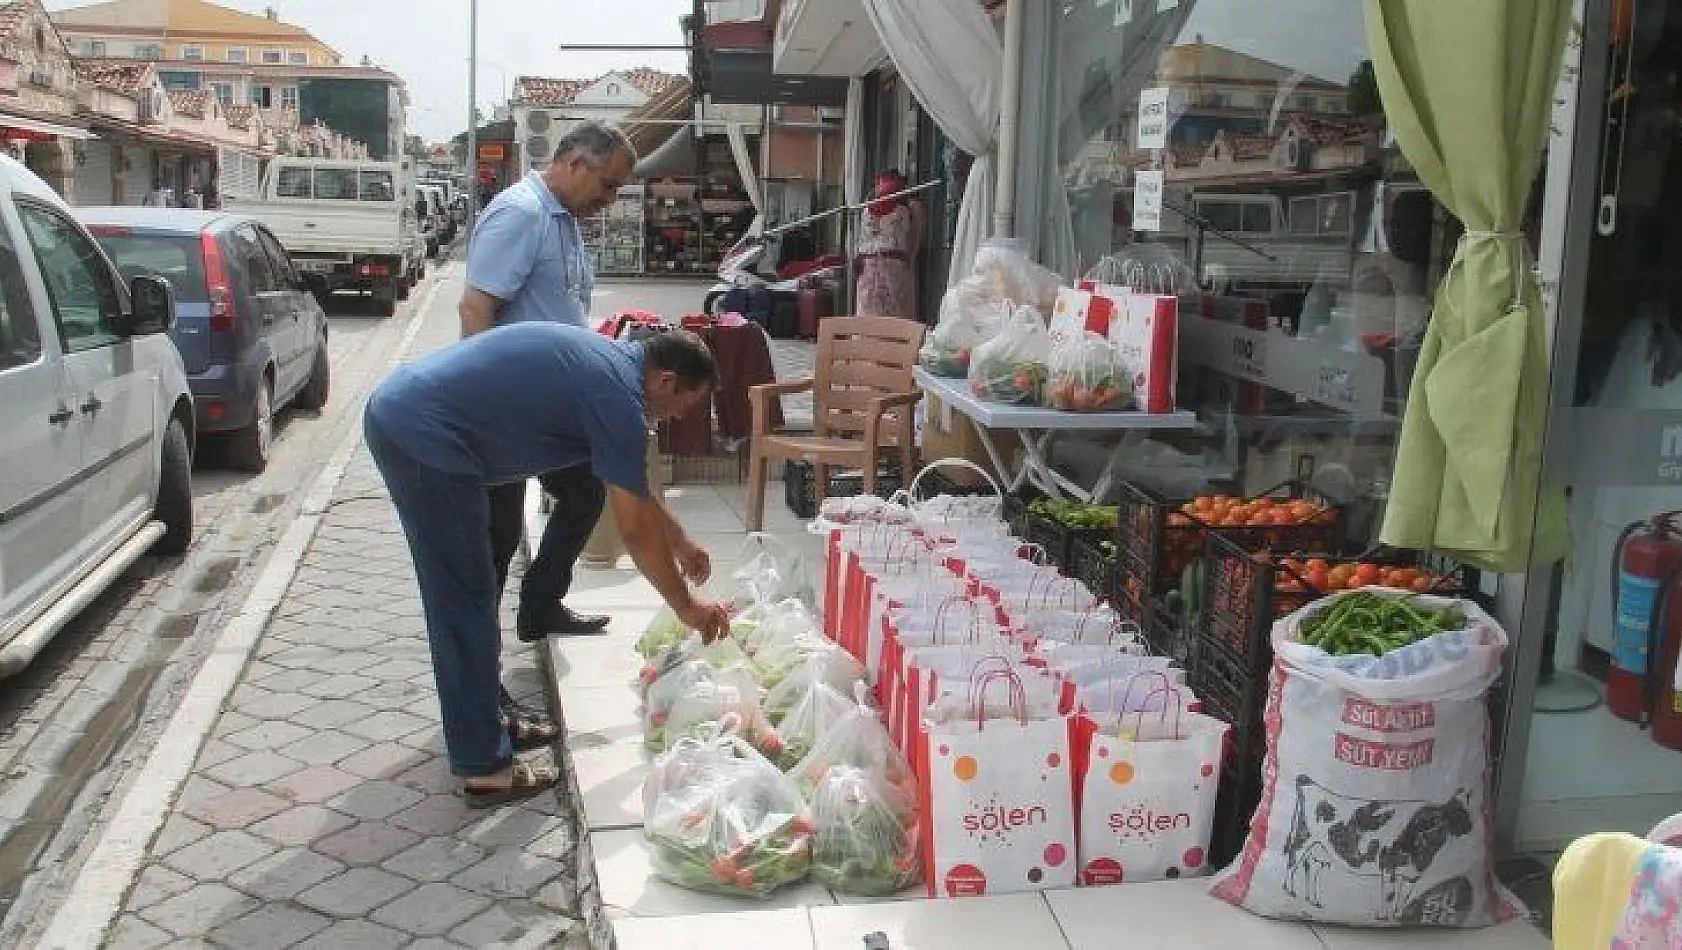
x: 1604, y: 749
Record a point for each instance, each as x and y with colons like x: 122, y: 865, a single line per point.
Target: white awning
x: 825, y: 38
x: 9, y: 121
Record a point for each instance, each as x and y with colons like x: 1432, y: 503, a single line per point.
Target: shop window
x: 294, y: 182
x: 262, y: 97
x: 224, y: 93
x: 289, y: 97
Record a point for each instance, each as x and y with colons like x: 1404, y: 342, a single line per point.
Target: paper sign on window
x: 1147, y: 201
x: 1153, y: 118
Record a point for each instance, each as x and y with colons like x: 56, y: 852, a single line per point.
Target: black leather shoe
x: 561, y: 621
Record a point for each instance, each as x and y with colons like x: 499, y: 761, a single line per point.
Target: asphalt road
x: 92, y: 704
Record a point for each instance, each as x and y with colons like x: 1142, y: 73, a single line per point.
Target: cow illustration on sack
x: 1394, y: 841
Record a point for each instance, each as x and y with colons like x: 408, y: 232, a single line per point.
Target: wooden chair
x: 862, y: 398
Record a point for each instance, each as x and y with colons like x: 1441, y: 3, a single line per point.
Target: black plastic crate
x: 1092, y: 562
x: 1162, y: 629
x: 1235, y: 807
x: 1234, y: 694
x: 1157, y: 538
x: 800, y: 490
x: 1016, y: 511
x: 1246, y: 592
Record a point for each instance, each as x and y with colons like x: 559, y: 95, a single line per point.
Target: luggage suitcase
x: 814, y: 306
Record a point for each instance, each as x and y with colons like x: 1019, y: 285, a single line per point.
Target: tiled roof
x: 192, y: 103
x: 12, y: 16
x: 544, y: 91
x: 651, y: 82
x: 1248, y: 148
x: 125, y: 79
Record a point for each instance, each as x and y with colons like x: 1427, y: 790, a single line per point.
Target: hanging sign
x: 1153, y: 118
x: 1147, y: 201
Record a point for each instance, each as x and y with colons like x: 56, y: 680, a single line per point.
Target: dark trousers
x: 579, y: 496
x: 446, y: 521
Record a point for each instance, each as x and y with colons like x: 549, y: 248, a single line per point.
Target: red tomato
x: 1366, y: 575
x: 1319, y: 579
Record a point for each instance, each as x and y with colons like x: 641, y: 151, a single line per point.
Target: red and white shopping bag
x: 998, y: 804
x: 1145, y: 788
x: 1077, y: 312
x: 1146, y: 332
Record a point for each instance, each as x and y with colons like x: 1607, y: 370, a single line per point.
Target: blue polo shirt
x: 520, y: 400
x: 526, y: 250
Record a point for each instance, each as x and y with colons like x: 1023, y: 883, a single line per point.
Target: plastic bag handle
x: 953, y: 463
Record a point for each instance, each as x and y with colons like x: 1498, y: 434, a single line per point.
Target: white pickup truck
x: 349, y: 226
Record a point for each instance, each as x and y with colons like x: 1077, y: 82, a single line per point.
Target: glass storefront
x: 1604, y: 730
x: 1243, y: 162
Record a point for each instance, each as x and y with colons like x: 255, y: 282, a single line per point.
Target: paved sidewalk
x: 321, y: 812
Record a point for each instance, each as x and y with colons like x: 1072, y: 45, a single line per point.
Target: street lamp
x: 472, y: 118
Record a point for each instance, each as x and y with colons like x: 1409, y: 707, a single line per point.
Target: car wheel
x: 248, y: 448
x: 402, y: 290
x: 175, y: 493
x: 313, y: 397
x: 385, y: 303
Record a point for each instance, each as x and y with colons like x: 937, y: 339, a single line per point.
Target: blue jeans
x: 447, y: 521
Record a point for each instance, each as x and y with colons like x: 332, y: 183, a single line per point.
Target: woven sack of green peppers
x: 1375, y: 806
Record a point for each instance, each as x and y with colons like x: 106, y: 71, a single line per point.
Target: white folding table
x: 1037, y: 427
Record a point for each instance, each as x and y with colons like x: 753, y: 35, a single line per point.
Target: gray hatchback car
x: 252, y: 337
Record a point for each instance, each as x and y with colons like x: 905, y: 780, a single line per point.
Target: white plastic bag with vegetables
x: 807, y: 722
x: 865, y: 837
x: 1011, y: 367
x: 731, y: 695
x: 720, y: 818
x: 1375, y: 808
x: 1006, y: 270
x: 1086, y: 374
x: 971, y: 313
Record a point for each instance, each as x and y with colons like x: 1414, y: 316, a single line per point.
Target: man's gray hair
x: 597, y: 141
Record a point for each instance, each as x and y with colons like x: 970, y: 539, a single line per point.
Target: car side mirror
x: 153, y: 305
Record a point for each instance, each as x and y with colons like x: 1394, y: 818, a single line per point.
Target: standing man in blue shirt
x: 527, y: 262
x: 503, y: 406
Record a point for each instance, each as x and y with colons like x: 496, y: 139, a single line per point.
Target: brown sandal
x: 527, y: 782
x: 528, y: 731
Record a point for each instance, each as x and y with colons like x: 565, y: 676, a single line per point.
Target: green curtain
x: 1468, y: 90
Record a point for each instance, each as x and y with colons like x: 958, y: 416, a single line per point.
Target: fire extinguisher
x: 1645, y: 563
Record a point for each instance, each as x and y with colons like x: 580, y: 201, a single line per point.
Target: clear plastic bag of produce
x: 866, y: 834
x: 720, y: 818
x: 1011, y: 367
x: 1087, y: 374
x: 687, y: 678
x: 772, y: 570
x: 783, y: 621
x: 860, y: 741
x: 971, y: 313
x: 662, y: 633
x: 729, y: 696
x: 781, y: 658
x: 813, y: 714
x: 1010, y: 274
x: 720, y: 653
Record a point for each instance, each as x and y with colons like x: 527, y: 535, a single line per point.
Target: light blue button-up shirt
x: 526, y: 251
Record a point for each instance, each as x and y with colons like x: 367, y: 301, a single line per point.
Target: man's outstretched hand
x: 709, y: 618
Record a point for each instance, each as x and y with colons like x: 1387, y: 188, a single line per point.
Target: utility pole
x: 472, y: 117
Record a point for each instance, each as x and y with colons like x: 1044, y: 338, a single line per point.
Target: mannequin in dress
x: 887, y: 252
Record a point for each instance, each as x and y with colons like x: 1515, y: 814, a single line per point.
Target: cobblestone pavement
x: 320, y: 812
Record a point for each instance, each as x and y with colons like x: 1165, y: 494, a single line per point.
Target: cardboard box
x: 945, y: 433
